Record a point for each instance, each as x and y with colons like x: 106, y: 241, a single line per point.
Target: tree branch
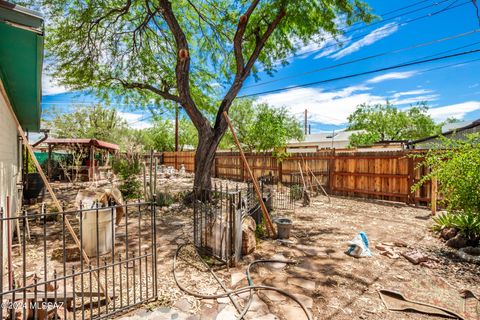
x: 182, y: 69
x: 240, y: 77
x: 138, y: 85
x: 238, y: 38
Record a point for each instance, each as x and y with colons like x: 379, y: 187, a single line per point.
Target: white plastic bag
x: 358, y: 247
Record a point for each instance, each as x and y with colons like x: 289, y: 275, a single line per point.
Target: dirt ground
x: 330, y: 283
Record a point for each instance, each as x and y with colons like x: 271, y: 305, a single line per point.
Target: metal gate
x: 43, y: 273
x: 217, y: 227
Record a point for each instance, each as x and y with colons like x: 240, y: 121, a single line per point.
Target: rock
x: 415, y: 257
x: 248, y: 235
x: 227, y: 313
x: 258, y: 305
x: 274, y: 296
x: 307, y: 301
x: 183, y: 305
x: 223, y: 300
x: 237, y: 277
x: 457, y: 242
x: 400, y: 243
x: 268, y: 317
x: 302, y: 283
x: 277, y: 265
x: 448, y: 233
x: 290, y: 312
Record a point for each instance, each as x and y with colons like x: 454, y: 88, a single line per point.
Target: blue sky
x: 451, y: 86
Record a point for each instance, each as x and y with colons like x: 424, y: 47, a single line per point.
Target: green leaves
x: 387, y: 122
x: 456, y: 164
x: 113, y: 45
x: 467, y: 223
x: 87, y: 122
x: 262, y: 127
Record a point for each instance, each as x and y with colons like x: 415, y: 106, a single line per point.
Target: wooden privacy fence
x: 387, y: 175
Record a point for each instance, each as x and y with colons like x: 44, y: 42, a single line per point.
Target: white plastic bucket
x: 106, y: 231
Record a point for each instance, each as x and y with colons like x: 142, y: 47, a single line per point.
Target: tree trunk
x: 204, y: 158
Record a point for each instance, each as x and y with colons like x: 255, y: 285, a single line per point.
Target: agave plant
x: 468, y: 224
x: 445, y: 220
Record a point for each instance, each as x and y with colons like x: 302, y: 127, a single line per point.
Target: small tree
x: 262, y: 127
x: 455, y: 162
x: 86, y: 122
x: 128, y: 168
x: 387, y: 122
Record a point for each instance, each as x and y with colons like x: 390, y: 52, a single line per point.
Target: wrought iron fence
x: 217, y: 223
x: 278, y: 196
x: 45, y: 276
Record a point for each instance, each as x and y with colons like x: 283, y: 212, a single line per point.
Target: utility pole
x: 176, y: 128
x: 306, y: 121
x: 176, y: 137
x: 309, y: 128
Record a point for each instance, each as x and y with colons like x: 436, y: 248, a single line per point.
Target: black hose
x: 249, y: 288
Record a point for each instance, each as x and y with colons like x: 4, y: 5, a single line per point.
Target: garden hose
x: 249, y: 288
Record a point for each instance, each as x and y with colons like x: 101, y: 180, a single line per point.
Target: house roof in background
x: 470, y: 125
x: 21, y: 61
x: 325, y: 137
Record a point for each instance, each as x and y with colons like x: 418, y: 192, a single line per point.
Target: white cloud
x: 50, y: 86
x: 474, y: 85
x: 392, y: 76
x: 458, y: 110
x: 413, y: 100
x: 412, y: 97
x: 325, y: 107
x: 324, y: 40
x: 409, y: 93
x: 136, y: 120
x: 369, y: 39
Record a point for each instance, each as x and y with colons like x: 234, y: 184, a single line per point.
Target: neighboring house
x: 455, y: 125
x: 387, y: 145
x: 457, y: 132
x: 318, y: 141
x: 21, y: 58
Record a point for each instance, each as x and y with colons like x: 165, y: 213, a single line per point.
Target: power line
x: 408, y: 64
x: 386, y: 28
x: 346, y: 29
x: 345, y: 87
x: 366, y: 58
x: 403, y: 8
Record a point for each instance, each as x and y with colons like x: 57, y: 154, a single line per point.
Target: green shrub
x: 444, y: 220
x: 296, y: 192
x: 165, y: 199
x: 128, y: 169
x: 260, y: 231
x: 455, y: 162
x: 468, y: 224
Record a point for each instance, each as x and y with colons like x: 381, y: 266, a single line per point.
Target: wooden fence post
x: 280, y: 171
x: 410, y: 182
x: 242, y: 169
x: 434, y: 195
x: 331, y: 171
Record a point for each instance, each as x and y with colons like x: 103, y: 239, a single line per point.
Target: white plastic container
x: 106, y: 231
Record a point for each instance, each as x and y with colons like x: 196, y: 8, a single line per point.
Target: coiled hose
x: 250, y: 288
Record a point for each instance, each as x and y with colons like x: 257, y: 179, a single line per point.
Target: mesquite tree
x: 193, y: 53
